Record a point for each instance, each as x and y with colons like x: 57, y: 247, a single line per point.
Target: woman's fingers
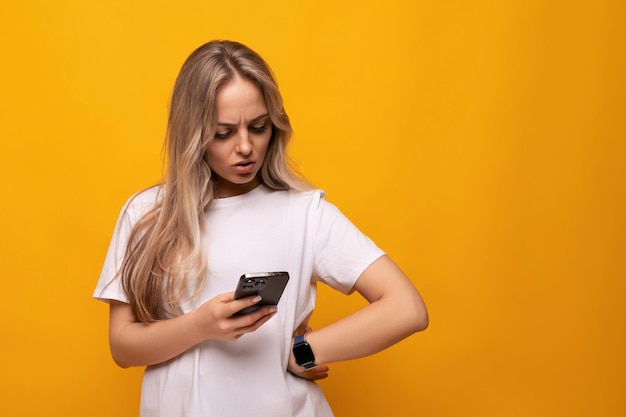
x: 319, y: 372
x: 216, y: 317
x: 252, y: 321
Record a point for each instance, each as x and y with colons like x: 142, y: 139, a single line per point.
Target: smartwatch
x: 303, y: 353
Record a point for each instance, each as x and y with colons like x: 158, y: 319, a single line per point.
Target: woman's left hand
x: 319, y: 372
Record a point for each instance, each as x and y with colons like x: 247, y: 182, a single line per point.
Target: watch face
x: 303, y: 353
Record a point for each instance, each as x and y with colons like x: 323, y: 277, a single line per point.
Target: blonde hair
x: 164, y: 262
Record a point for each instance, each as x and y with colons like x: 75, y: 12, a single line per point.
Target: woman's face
x: 243, y: 133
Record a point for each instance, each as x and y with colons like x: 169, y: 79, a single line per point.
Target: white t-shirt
x: 260, y: 231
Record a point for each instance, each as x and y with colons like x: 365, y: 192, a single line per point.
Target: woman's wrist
x: 303, y: 352
x: 313, y: 373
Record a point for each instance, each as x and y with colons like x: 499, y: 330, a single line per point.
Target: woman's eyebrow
x: 259, y: 118
x: 256, y: 119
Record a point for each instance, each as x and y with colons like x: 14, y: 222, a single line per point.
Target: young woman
x: 229, y: 205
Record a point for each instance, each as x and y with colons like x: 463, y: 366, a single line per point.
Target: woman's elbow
x: 422, y: 321
x: 419, y: 315
x: 119, y: 358
x: 119, y: 351
x: 121, y: 363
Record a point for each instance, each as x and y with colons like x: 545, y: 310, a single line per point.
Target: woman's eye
x: 222, y: 135
x: 260, y: 129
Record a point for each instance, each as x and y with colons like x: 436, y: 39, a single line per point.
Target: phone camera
x: 253, y: 284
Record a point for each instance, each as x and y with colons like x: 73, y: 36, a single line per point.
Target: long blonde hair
x: 164, y: 261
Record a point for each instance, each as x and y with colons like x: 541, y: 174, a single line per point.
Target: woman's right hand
x: 215, y: 320
x: 140, y: 344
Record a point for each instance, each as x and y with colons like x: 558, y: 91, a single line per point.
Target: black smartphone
x: 269, y: 285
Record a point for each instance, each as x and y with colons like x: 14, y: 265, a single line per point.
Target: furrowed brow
x: 256, y: 119
x: 259, y: 118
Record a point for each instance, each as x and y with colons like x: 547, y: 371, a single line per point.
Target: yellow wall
x: 482, y: 144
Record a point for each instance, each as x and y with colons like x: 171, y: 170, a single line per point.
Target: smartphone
x: 269, y: 285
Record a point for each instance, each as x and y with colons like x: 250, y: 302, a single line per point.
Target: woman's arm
x: 396, y: 310
x: 138, y: 344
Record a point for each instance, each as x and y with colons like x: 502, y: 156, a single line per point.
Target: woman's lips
x: 244, y: 167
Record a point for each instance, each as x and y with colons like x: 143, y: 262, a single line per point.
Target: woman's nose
x: 243, y: 145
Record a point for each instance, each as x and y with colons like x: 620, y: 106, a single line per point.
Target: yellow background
x: 481, y: 143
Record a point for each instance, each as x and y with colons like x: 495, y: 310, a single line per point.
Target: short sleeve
x: 109, y: 286
x: 342, y: 251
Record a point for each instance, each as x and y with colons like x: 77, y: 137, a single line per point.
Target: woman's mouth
x: 244, y: 167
